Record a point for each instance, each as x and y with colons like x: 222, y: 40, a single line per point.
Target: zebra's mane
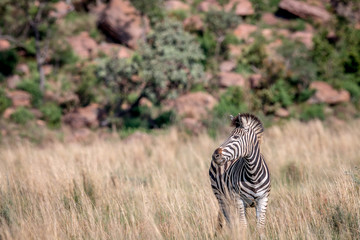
x: 246, y: 121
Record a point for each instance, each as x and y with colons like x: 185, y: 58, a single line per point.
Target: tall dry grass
x: 158, y: 188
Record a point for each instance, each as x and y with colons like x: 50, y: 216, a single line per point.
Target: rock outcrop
x: 123, y: 23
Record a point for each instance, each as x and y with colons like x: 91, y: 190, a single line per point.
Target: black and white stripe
x: 238, y: 173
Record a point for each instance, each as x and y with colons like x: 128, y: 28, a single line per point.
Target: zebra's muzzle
x: 217, y: 157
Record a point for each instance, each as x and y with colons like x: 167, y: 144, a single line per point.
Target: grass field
x: 158, y: 187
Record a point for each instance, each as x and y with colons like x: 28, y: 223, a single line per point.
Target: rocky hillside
x: 85, y: 65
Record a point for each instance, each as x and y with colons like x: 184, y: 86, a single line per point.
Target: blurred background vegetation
x: 66, y: 64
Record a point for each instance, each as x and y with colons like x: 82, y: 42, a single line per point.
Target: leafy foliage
x: 312, y: 112
x: 170, y: 62
x: 4, y: 101
x: 22, y: 116
x: 32, y: 87
x: 51, y: 114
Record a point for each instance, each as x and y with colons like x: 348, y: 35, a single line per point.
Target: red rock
x: 123, y: 23
x: 327, y: 94
x: 228, y: 79
x: 305, y: 37
x: 193, y: 23
x: 90, y: 113
x: 4, y: 44
x: 41, y: 123
x: 283, y: 32
x: 83, y: 117
x: 207, y: 5
x: 36, y: 112
x: 115, y: 50
x: 7, y: 113
x: 83, y: 45
x: 255, y: 80
x: 20, y: 98
x: 172, y: 5
x: 227, y: 66
x: 244, y: 30
x: 47, y: 69
x: 145, y: 102
x: 13, y: 81
x: 241, y: 7
x: 61, y: 8
x: 23, y: 68
x: 270, y: 19
x: 235, y: 51
x: 193, y: 105
x: 282, y: 112
x: 305, y: 10
x: 192, y: 125
x: 267, y: 33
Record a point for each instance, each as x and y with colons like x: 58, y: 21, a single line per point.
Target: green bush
x: 32, y: 87
x: 8, y: 61
x: 22, y: 116
x: 51, y: 114
x: 62, y: 54
x: 310, y: 112
x: 231, y: 102
x: 4, y: 101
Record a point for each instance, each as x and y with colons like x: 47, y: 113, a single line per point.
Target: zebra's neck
x: 253, y: 162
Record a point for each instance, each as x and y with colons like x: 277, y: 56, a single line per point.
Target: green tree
x: 220, y: 22
x: 23, y: 19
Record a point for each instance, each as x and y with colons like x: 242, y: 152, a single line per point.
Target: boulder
x: 47, y: 69
x: 267, y: 33
x: 207, y: 5
x: 325, y: 93
x: 115, y: 50
x: 192, y: 125
x: 193, y: 23
x: 7, y: 113
x: 193, y: 105
x: 172, y: 5
x: 228, y: 79
x: 255, y: 80
x: 305, y: 10
x: 20, y: 98
x: 83, y: 117
x: 241, y: 7
x: 235, y: 51
x: 244, y: 30
x: 61, y: 8
x: 270, y: 19
x: 282, y: 112
x: 123, y: 23
x: 4, y: 44
x: 83, y: 45
x: 13, y: 81
x: 23, y: 69
x: 305, y: 37
x: 227, y: 66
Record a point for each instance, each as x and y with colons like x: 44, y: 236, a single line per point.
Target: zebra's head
x: 242, y: 140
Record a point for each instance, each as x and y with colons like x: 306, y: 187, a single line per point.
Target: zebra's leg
x: 241, y: 208
x: 261, y: 206
x: 223, y: 216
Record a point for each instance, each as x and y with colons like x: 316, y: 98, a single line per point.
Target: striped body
x: 238, y: 173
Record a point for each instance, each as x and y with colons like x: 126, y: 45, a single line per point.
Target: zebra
x: 238, y: 173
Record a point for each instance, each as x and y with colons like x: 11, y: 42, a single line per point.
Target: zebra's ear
x: 236, y: 121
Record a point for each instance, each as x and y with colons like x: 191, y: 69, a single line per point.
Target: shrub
x: 312, y: 112
x: 33, y: 88
x: 231, y: 102
x: 22, y: 116
x: 62, y: 54
x: 51, y: 114
x: 8, y: 61
x: 4, y: 101
x: 171, y: 62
